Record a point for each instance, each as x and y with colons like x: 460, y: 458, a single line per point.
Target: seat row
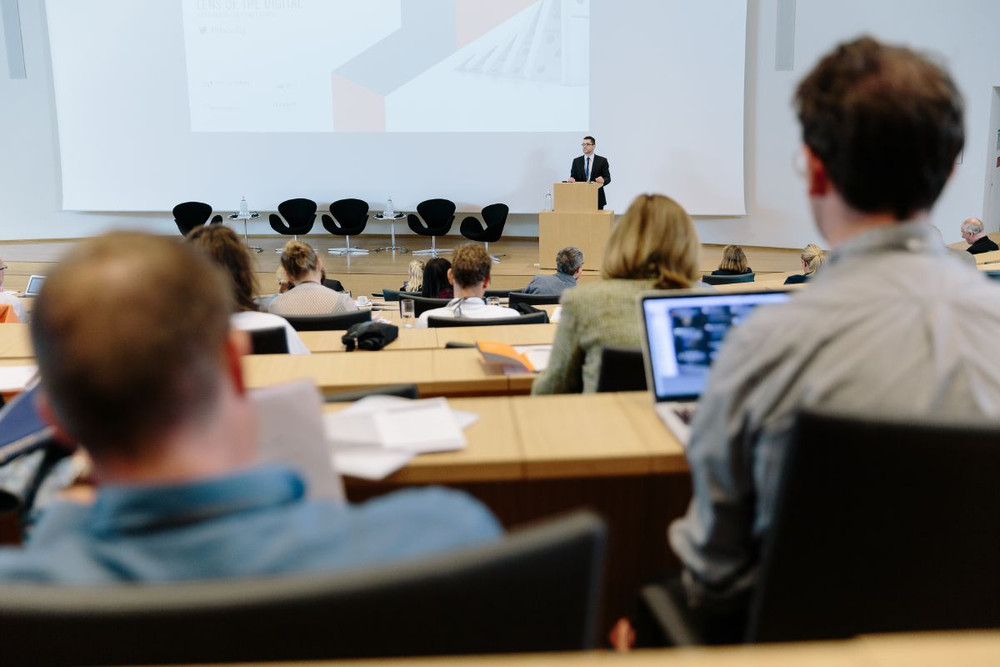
x: 349, y: 217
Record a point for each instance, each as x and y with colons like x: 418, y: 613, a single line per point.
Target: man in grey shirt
x: 894, y: 324
x: 569, y: 266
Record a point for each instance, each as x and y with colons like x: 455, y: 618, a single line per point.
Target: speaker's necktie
x: 588, y: 168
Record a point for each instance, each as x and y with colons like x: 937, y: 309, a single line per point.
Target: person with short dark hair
x: 569, y: 266
x: 591, y: 168
x: 470, y: 276
x: 895, y: 324
x: 975, y: 235
x: 139, y: 365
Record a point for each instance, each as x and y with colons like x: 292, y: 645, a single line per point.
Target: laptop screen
x: 34, y: 285
x: 683, y: 333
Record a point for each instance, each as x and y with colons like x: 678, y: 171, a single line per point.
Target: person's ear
x: 48, y: 415
x: 237, y: 346
x: 819, y: 180
x: 451, y: 279
x: 486, y: 283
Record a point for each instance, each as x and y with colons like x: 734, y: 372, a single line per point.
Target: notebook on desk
x: 683, y: 331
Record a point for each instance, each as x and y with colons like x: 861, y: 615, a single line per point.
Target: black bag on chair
x: 370, y: 335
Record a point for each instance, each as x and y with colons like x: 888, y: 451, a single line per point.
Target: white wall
x: 959, y: 30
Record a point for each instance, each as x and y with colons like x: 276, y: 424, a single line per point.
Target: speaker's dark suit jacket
x: 598, y: 167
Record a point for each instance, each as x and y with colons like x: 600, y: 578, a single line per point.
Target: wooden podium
x: 574, y: 222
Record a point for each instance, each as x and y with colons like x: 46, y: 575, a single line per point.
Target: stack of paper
x: 380, y: 434
x: 15, y: 378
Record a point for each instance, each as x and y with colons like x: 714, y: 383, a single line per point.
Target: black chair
x: 440, y: 322
x: 300, y: 215
x: 329, y: 322
x: 438, y: 216
x: 268, y: 341
x: 396, y: 295
x: 532, y: 299
x: 498, y: 293
x: 401, y: 390
x: 495, y: 217
x: 534, y: 590
x: 349, y: 218
x: 192, y: 214
x: 880, y: 525
x: 421, y: 304
x: 709, y: 279
x: 622, y: 369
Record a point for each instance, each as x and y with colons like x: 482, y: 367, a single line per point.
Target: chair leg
x: 347, y: 250
x: 433, y: 250
x: 495, y: 258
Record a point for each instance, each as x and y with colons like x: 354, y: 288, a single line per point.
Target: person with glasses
x: 10, y: 297
x: 591, y: 168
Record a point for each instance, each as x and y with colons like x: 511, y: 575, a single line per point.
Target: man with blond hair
x: 139, y: 365
x: 469, y: 275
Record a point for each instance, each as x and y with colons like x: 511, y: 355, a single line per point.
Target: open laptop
x: 34, y: 286
x: 683, y: 331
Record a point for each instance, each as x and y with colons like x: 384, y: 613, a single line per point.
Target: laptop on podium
x: 683, y: 331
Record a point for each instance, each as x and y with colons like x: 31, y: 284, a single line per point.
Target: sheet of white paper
x: 15, y: 378
x: 369, y: 462
x: 420, y: 427
x: 290, y: 430
x: 538, y: 355
x: 464, y: 418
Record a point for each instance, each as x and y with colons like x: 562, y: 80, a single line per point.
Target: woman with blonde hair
x: 224, y: 246
x: 734, y: 262
x: 308, y: 298
x: 812, y: 258
x: 416, y: 279
x: 653, y: 246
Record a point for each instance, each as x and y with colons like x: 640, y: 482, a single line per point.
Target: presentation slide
x: 477, y: 101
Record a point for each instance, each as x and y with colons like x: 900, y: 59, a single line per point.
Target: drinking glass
x: 408, y: 311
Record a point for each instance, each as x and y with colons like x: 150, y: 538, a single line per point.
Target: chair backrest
x: 622, y: 369
x: 495, y: 215
x: 401, y: 390
x: 499, y: 293
x: 881, y: 526
x: 396, y: 295
x: 350, y: 217
x: 436, y: 212
x: 299, y: 216
x: 532, y: 299
x: 421, y: 304
x: 534, y: 590
x: 191, y: 214
x: 268, y: 341
x: 728, y: 280
x: 329, y: 322
x: 440, y: 322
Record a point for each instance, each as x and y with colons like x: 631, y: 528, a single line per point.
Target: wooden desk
x: 530, y: 457
x: 15, y: 342
x: 435, y: 372
x: 426, y: 339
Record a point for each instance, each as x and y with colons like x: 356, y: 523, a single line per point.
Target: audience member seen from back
x: 812, y: 258
x: 975, y: 235
x: 227, y: 249
x: 309, y: 297
x: 145, y: 373
x: 416, y: 278
x: 470, y: 276
x: 653, y: 246
x: 569, y: 266
x: 11, y: 298
x: 896, y: 324
x: 435, y: 283
x: 734, y: 262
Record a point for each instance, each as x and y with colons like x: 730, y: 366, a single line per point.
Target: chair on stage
x: 495, y: 217
x: 709, y: 279
x: 349, y: 218
x: 329, y: 322
x: 193, y: 214
x: 299, y: 217
x: 536, y: 589
x: 437, y: 217
x: 441, y: 322
x: 622, y: 369
x: 268, y: 341
x: 880, y: 525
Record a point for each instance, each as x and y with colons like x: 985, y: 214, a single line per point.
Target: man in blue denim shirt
x: 139, y: 365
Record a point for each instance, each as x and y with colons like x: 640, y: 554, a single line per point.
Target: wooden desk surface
x: 15, y: 342
x: 424, y: 339
x: 552, y: 437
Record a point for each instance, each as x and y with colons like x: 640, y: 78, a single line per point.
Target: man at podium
x: 590, y: 167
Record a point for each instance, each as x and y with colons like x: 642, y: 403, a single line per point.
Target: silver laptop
x: 34, y: 285
x: 683, y: 331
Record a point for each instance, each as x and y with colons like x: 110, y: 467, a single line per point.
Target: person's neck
x: 214, y: 446
x: 310, y: 277
x: 466, y: 292
x: 840, y: 223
